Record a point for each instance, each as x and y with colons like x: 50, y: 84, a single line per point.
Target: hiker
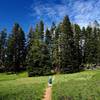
x: 50, y: 81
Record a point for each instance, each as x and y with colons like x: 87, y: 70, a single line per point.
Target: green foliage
x: 38, y: 57
x: 69, y: 50
x: 41, y: 30
x: 48, y: 38
x: 3, y: 41
x: 78, y: 45
x: 56, y: 48
x: 16, y: 50
x: 63, y: 48
x: 92, y: 46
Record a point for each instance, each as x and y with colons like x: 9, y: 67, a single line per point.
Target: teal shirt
x: 50, y: 81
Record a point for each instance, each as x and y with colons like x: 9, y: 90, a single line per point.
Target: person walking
x: 50, y: 81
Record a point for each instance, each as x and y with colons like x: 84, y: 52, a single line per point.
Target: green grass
x: 5, y: 77
x: 79, y: 86
x: 21, y: 87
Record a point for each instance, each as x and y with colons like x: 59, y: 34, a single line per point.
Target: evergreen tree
x: 9, y: 52
x: 68, y: 49
x: 48, y: 38
x: 52, y: 32
x: 30, y: 38
x: 65, y: 47
x: 98, y: 46
x: 56, y: 49
x: 77, y: 41
x: 41, y: 30
x: 22, y: 49
x: 48, y: 43
x: 89, y: 46
x: 16, y: 50
x: 38, y: 56
x: 3, y: 40
x: 82, y: 43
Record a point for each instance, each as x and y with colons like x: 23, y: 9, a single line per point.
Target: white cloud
x: 53, y: 12
x: 80, y: 11
x: 86, y: 12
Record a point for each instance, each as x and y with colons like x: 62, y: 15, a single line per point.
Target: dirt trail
x: 47, y: 95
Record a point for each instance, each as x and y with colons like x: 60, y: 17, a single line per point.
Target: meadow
x: 79, y: 86
x: 21, y: 87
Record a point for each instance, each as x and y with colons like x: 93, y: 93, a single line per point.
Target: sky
x: 29, y: 12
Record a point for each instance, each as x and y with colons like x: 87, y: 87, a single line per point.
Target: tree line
x: 64, y: 48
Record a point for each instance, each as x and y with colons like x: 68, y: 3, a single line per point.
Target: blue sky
x: 29, y: 12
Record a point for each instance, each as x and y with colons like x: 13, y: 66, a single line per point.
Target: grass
x: 78, y: 86
x: 21, y: 87
x: 5, y: 77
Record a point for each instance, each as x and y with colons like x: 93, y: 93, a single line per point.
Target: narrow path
x: 47, y: 95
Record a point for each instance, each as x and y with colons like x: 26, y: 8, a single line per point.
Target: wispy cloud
x: 49, y: 12
x: 86, y: 12
x: 80, y: 11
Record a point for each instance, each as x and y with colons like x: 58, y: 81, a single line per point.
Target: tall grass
x: 79, y: 86
x: 20, y: 87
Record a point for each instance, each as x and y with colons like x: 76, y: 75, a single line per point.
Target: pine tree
x: 82, y: 43
x: 9, y: 53
x: 56, y: 49
x: 16, y: 50
x: 3, y: 40
x: 98, y: 46
x: 48, y: 48
x: 68, y: 49
x: 30, y: 38
x: 38, y: 55
x: 77, y: 41
x: 94, y: 42
x: 22, y: 48
x: 48, y: 38
x: 52, y: 32
x: 89, y: 46
x: 41, y: 30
